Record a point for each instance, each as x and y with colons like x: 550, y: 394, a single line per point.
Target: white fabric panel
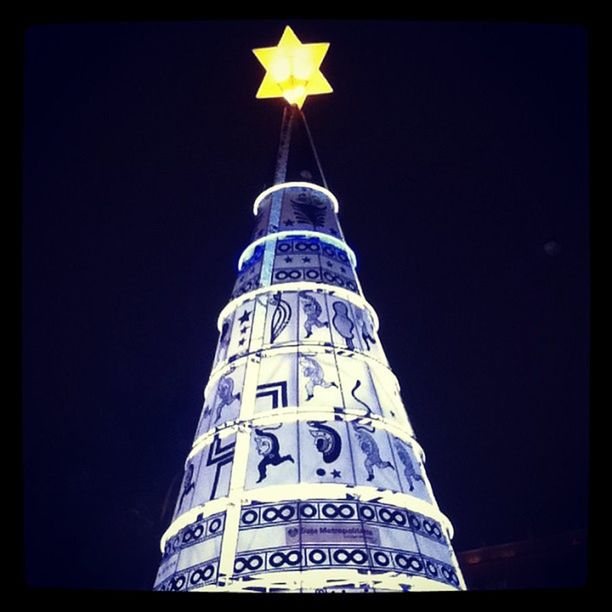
x: 389, y: 398
x: 262, y: 538
x: 401, y: 540
x: 276, y: 383
x: 369, y: 341
x: 372, y: 458
x: 215, y: 469
x: 342, y: 323
x: 273, y: 456
x: 281, y: 319
x: 224, y: 339
x: 411, y: 472
x: 209, y: 472
x: 261, y: 220
x: 166, y: 568
x: 361, y: 332
x: 434, y: 549
x: 287, y: 259
x: 358, y: 390
x: 199, y: 553
x: 256, y: 323
x: 249, y: 275
x: 222, y: 402
x: 240, y: 337
x: 325, y: 454
x: 313, y: 321
x: 306, y: 209
x: 318, y: 379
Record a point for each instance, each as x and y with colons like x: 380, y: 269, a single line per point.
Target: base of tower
x: 324, y: 581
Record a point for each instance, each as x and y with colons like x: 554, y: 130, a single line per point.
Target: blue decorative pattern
x: 300, y: 208
x: 352, y: 534
x: 249, y: 276
x: 192, y: 577
x: 299, y: 258
x: 311, y: 259
x: 205, y: 572
x: 195, y: 533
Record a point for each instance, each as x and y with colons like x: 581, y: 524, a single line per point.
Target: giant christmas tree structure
x: 305, y: 474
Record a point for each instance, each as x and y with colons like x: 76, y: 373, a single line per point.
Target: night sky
x: 459, y: 155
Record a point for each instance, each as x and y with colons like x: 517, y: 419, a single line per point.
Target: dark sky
x: 459, y: 155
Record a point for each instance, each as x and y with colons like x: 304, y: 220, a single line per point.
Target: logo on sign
x: 332, y: 533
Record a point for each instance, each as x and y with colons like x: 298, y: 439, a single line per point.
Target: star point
x: 292, y: 69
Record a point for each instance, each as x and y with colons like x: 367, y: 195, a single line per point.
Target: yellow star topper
x: 292, y: 69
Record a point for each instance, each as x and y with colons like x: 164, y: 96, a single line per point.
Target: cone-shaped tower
x: 305, y: 474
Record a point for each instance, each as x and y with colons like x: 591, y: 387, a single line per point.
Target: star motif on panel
x: 336, y: 473
x: 289, y: 222
x: 330, y: 264
x: 241, y: 341
x: 243, y: 330
x: 333, y: 231
x: 245, y: 316
x: 292, y: 69
x: 288, y: 259
x: 306, y: 259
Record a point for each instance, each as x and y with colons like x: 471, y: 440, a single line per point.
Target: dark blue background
x: 457, y: 151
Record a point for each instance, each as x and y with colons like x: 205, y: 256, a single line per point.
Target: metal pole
x: 314, y: 149
x: 280, y: 172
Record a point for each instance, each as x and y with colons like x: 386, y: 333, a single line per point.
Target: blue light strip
x: 340, y: 244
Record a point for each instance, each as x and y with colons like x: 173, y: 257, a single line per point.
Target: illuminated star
x: 292, y: 69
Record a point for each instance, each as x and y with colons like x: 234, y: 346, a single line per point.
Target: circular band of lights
x: 339, y: 244
x: 264, y: 194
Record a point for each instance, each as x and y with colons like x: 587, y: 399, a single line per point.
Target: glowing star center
x: 292, y: 69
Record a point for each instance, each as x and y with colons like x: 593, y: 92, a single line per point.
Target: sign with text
x: 332, y: 533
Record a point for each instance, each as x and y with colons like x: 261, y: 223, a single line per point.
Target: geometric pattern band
x: 320, y: 534
x: 370, y: 537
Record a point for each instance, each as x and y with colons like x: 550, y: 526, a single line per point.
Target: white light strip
x: 246, y: 254
x: 264, y: 194
x: 355, y: 298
